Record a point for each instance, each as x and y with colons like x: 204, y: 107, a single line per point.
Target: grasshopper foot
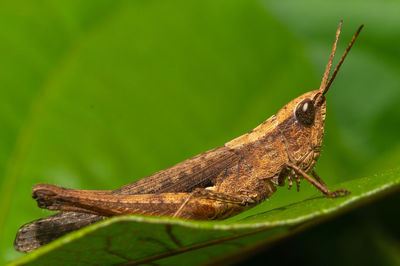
x: 337, y: 193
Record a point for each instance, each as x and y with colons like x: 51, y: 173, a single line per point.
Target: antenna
x: 342, y: 59
x: 329, y: 65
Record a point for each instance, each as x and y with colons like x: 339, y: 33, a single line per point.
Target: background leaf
x: 97, y: 94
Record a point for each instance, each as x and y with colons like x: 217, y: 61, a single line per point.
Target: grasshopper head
x: 301, y: 124
x: 301, y: 121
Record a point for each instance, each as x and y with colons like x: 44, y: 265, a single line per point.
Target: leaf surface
x: 166, y: 241
x: 97, y: 94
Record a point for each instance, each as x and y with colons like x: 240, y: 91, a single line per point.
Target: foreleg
x: 319, y: 185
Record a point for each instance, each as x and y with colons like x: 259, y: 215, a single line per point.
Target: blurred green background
x: 97, y: 94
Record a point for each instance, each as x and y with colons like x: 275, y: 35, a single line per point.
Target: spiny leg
x: 314, y: 174
x: 179, y: 211
x: 238, y: 200
x: 294, y: 176
x: 298, y: 183
x: 290, y: 182
x: 322, y: 188
x: 201, y: 204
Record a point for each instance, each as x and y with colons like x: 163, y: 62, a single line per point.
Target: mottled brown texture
x: 213, y: 185
x: 199, y: 171
x: 40, y: 232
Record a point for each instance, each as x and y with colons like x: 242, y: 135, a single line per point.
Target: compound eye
x: 305, y: 112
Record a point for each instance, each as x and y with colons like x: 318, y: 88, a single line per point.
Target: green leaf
x: 96, y: 94
x: 138, y: 239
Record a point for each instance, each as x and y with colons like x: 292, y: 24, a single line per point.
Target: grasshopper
x: 216, y: 184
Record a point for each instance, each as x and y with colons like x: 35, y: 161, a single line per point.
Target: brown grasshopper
x: 216, y: 184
